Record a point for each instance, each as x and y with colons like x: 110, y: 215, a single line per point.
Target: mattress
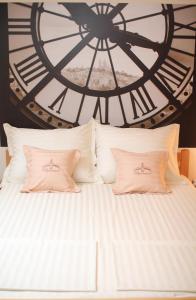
x: 97, y: 216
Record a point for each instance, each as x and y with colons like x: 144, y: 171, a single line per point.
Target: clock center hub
x: 102, y: 27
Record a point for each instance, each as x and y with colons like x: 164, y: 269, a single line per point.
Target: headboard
x: 183, y: 161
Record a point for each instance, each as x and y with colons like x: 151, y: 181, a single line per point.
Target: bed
x: 102, y: 240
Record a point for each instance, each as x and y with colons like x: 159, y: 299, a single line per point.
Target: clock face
x: 125, y: 64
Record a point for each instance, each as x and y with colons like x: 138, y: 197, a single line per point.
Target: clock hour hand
x: 133, y: 39
x: 116, y: 10
x: 81, y: 13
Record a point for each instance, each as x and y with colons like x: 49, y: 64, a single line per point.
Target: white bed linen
x: 97, y: 215
x: 47, y: 265
x: 155, y: 266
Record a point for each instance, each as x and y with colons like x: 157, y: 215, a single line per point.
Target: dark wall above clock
x: 128, y: 65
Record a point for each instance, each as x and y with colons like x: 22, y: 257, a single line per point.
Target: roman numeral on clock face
x: 103, y: 116
x: 20, y: 26
x: 30, y: 68
x: 172, y: 73
x: 141, y: 101
x: 180, y: 27
x: 58, y: 102
x: 100, y: 110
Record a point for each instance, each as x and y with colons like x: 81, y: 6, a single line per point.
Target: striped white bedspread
x: 155, y: 266
x: 47, y: 265
x: 96, y: 214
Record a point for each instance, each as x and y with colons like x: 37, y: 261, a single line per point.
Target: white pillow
x: 135, y: 140
x: 81, y: 138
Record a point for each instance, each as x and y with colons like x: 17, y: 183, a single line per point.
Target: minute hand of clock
x: 81, y: 13
x: 134, y: 39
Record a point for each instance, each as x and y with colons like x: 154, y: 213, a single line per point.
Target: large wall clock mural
x: 128, y: 65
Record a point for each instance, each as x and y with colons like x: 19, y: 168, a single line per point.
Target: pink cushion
x: 140, y: 172
x: 50, y: 170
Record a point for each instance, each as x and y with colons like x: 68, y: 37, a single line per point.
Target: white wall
x: 192, y: 163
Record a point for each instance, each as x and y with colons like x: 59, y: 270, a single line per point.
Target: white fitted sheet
x: 97, y: 215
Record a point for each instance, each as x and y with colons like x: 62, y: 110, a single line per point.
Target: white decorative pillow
x: 135, y: 140
x: 81, y: 138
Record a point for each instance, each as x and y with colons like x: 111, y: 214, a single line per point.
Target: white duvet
x: 113, y: 223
